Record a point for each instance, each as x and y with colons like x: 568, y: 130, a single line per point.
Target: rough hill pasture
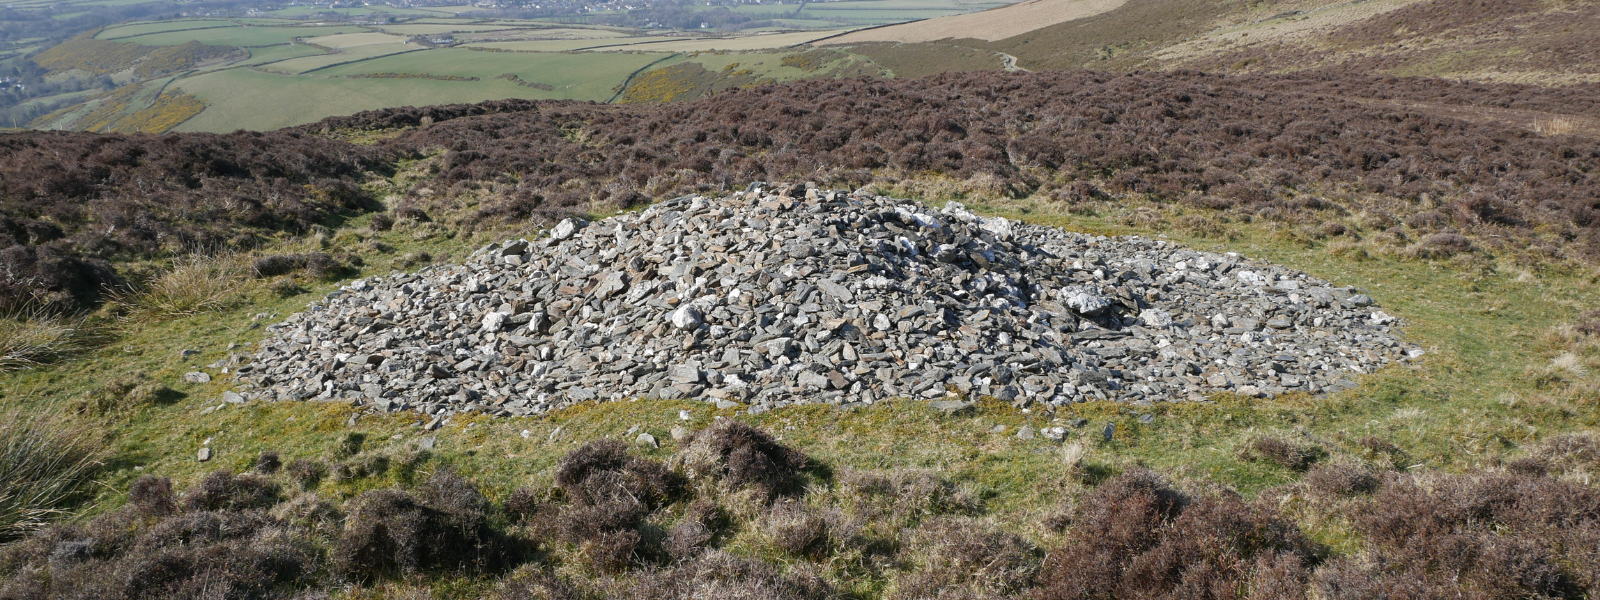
x: 993, y: 24
x: 890, y: 500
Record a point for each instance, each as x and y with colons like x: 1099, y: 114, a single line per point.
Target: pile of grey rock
x: 792, y: 295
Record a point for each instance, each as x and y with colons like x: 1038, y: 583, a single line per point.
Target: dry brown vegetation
x: 1284, y: 149
x: 707, y: 524
x: 994, y: 24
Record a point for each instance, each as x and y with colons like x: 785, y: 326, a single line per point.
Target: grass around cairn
x: 1511, y: 362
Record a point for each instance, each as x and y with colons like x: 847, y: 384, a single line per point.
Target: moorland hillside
x: 365, y: 357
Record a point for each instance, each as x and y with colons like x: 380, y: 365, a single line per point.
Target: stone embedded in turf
x: 791, y: 295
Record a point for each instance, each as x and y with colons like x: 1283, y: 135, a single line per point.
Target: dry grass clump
x: 797, y: 529
x: 1137, y: 537
x: 1295, y: 457
x: 307, y: 473
x: 1555, y: 125
x: 717, y: 574
x: 45, y: 461
x: 196, y: 284
x: 961, y: 558
x: 27, y: 341
x: 740, y: 456
x: 904, y: 497
x: 1575, y: 456
x: 1574, y: 349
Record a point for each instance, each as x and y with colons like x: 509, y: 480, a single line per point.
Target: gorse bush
x: 44, y: 463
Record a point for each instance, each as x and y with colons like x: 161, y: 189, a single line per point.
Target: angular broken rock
x: 686, y: 318
x: 684, y: 374
x: 950, y: 407
x: 204, y: 454
x: 196, y: 377
x: 566, y: 228
x: 1084, y: 302
x: 494, y: 322
x: 758, y: 301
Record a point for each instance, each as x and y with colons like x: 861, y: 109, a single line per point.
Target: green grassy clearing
x: 1465, y: 405
x: 239, y: 36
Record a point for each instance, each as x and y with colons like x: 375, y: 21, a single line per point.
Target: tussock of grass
x: 44, y: 463
x: 28, y: 341
x: 195, y: 284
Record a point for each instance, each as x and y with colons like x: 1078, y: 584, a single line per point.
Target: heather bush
x: 602, y: 472
x: 1342, y: 480
x: 1135, y: 536
x: 702, y: 525
x: 740, y: 456
x: 150, y: 549
x: 268, y: 463
x: 222, y: 490
x: 444, y: 526
x: 307, y: 473
x: 610, y: 493
x: 1474, y: 536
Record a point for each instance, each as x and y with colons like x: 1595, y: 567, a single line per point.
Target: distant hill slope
x: 1262, y: 147
x: 1550, y: 42
x: 994, y: 24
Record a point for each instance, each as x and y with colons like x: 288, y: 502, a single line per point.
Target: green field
x: 427, y: 29
x: 239, y: 36
x: 587, y: 76
x: 356, y: 53
x: 307, y: 11
x: 245, y: 99
x: 750, y: 42
x: 567, y: 45
x: 273, y: 54
x: 149, y: 27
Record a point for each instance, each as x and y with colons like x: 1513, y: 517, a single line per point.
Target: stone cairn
x: 793, y: 295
